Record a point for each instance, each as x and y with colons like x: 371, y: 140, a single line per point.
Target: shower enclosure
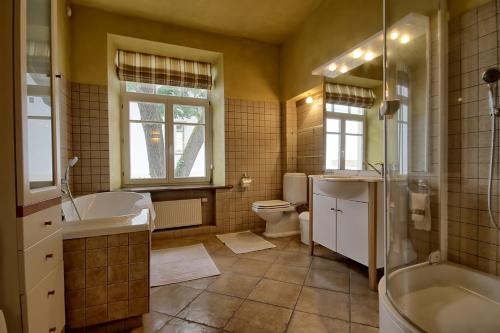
x: 441, y: 264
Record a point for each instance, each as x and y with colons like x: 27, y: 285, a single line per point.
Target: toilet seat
x: 271, y: 204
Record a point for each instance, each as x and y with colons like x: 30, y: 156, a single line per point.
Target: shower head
x: 491, y: 75
x: 73, y: 161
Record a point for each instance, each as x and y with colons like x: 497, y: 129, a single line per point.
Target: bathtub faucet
x: 65, y: 187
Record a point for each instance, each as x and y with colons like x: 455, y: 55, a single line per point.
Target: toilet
x: 281, y: 216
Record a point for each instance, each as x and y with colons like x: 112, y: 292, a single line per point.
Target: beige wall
x: 63, y: 40
x: 328, y: 32
x: 251, y: 69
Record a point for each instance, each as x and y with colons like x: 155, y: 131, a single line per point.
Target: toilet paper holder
x: 245, y: 181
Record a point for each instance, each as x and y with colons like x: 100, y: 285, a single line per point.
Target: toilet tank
x: 295, y: 188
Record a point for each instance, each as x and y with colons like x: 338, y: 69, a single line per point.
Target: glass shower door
x: 411, y: 143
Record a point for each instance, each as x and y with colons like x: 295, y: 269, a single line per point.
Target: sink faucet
x: 381, y: 171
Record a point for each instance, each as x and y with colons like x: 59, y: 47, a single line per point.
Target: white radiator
x: 177, y: 213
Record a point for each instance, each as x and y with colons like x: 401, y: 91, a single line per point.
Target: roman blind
x: 349, y: 95
x: 149, y: 68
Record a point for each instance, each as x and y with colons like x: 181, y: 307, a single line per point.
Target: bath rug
x: 244, y: 242
x: 180, y: 264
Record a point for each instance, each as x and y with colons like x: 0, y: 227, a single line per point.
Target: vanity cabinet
x: 347, y: 217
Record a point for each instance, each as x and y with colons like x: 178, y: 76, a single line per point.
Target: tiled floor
x: 277, y: 290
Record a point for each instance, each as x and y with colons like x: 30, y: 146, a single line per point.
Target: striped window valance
x: 349, y: 95
x: 149, y: 68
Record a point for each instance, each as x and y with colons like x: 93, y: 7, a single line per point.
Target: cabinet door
x: 36, y: 107
x: 352, y: 230
x: 324, y: 221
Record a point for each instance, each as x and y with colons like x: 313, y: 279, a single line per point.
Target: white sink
x: 351, y: 178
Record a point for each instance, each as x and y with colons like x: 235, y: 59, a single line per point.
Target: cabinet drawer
x: 43, y: 306
x: 37, y: 226
x: 38, y: 260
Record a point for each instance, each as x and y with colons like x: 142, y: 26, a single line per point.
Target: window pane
x: 195, y: 93
x: 147, y: 151
x: 341, y: 108
x: 333, y: 125
x: 358, y: 111
x: 168, y: 90
x: 353, y: 152
x: 332, y: 151
x: 137, y: 87
x: 189, y: 114
x: 329, y: 107
x: 353, y: 127
x: 40, y: 152
x: 189, y: 151
x: 146, y: 111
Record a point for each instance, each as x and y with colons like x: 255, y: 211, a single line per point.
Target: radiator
x: 177, y: 213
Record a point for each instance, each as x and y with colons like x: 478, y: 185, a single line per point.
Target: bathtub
x: 443, y: 297
x: 107, y: 213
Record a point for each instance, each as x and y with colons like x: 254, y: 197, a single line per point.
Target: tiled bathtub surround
x: 106, y: 280
x: 253, y: 146
x: 473, y: 47
x: 90, y: 139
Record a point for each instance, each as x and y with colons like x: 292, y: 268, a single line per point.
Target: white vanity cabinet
x: 347, y: 217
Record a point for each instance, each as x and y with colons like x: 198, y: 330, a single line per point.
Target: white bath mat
x: 245, y: 241
x: 180, y: 264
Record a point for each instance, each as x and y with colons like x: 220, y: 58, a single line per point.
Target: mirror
x: 39, y: 94
x: 353, y: 131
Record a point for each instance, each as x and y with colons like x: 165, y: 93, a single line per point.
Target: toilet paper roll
x: 245, y: 182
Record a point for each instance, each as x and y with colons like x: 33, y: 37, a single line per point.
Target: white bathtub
x: 107, y: 213
x: 440, y: 298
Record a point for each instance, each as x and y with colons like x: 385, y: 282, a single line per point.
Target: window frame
x: 343, y: 117
x: 168, y: 101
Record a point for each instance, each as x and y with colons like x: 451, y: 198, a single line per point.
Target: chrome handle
x: 47, y: 223
x: 48, y: 256
x: 333, y: 209
x: 340, y: 211
x: 51, y: 293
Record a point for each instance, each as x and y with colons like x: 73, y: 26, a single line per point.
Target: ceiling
x: 270, y: 21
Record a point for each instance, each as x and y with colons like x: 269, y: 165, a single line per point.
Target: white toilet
x: 281, y: 216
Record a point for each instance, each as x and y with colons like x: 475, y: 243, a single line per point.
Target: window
x: 345, y: 127
x: 166, y: 134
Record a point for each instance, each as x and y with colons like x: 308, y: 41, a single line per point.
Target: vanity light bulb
x: 344, y: 69
x: 309, y: 100
x: 405, y: 39
x: 394, y: 35
x: 332, y: 67
x: 369, y: 56
x: 357, y: 53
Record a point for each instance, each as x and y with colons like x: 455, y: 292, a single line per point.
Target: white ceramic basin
x: 351, y: 178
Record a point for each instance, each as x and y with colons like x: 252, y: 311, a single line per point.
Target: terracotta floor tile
x: 341, y: 265
x: 287, y: 273
x: 364, y: 309
x: 254, y: 317
x: 177, y: 325
x: 358, y: 328
x: 250, y: 267
x: 224, y: 263
x: 326, y: 279
x: 294, y: 259
x: 306, y: 322
x: 264, y: 255
x: 171, y: 299
x: 324, y: 302
x: 152, y: 322
x: 276, y: 293
x: 297, y: 246
x: 234, y: 285
x: 201, y: 284
x: 211, y: 309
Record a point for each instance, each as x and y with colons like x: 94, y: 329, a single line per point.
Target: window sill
x: 163, y: 188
